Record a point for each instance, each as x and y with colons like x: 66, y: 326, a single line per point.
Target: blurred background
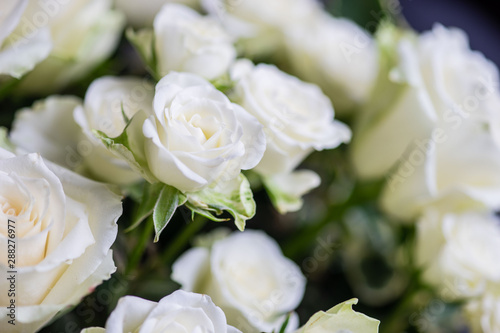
x: 479, y: 18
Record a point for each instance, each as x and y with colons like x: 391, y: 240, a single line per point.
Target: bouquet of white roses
x: 177, y: 166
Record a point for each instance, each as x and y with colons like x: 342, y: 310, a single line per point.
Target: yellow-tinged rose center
x: 26, y: 223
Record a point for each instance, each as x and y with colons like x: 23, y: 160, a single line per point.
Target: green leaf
x: 204, y: 212
x: 285, y: 324
x: 168, y: 200
x: 122, y: 146
x: 234, y: 196
x: 223, y: 83
x: 144, y: 42
x: 124, y: 115
x: 4, y: 140
x: 149, y: 198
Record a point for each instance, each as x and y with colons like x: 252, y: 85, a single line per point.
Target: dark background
x: 480, y: 19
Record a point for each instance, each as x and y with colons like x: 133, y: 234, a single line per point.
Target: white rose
x: 259, y: 24
x: 64, y: 226
x: 337, y: 55
x: 20, y: 48
x: 83, y: 32
x: 179, y: 312
x: 106, y: 100
x: 248, y: 277
x: 141, y: 14
x: 453, y: 171
x: 340, y: 319
x: 459, y: 253
x: 298, y: 118
x: 196, y: 135
x: 185, y: 41
x: 483, y: 312
x: 48, y: 128
x: 427, y: 82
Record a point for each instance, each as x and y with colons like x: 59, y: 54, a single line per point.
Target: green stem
x: 136, y: 255
x: 182, y: 240
x: 303, y: 239
x: 397, y: 321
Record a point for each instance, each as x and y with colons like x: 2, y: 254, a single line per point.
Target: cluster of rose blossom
x: 436, y: 143
x: 425, y: 119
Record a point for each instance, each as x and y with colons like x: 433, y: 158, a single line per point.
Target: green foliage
x: 144, y: 42
x: 234, y: 196
x: 122, y: 146
x: 285, y: 324
x: 147, y: 204
x: 169, y: 199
